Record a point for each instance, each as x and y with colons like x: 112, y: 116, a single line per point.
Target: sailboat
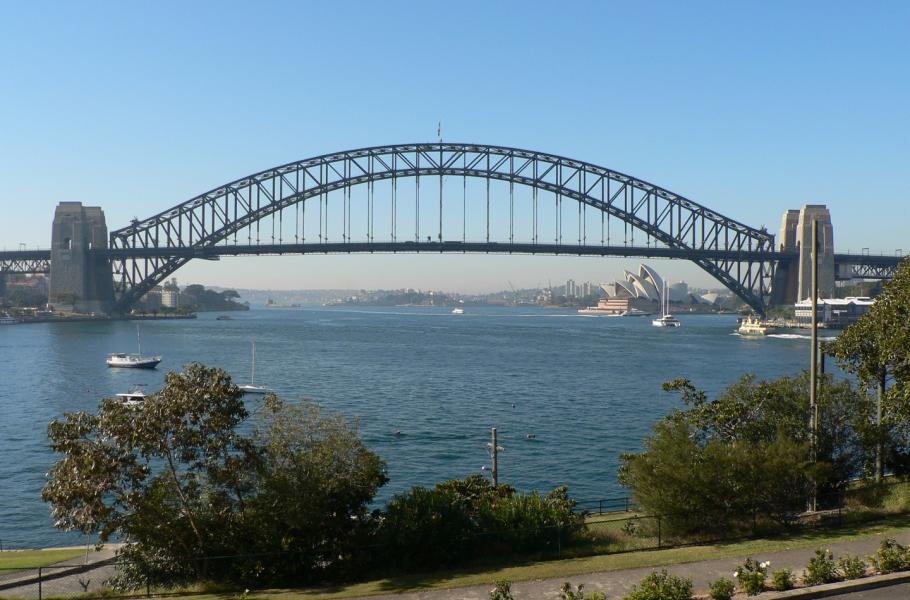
x: 666, y: 319
x: 133, y: 361
x: 251, y: 387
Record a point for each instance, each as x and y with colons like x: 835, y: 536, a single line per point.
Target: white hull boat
x: 666, y: 319
x: 122, y: 360
x: 251, y: 387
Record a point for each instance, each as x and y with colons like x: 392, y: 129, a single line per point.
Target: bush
x: 821, y: 569
x: 502, y: 591
x: 891, y: 557
x: 851, y: 567
x: 782, y: 580
x: 662, y: 586
x: 752, y: 576
x: 460, y: 520
x: 722, y: 589
x: 567, y: 593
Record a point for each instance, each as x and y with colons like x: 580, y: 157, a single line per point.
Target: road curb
x: 840, y: 587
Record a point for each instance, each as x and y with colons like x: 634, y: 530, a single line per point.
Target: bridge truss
x: 25, y: 261
x: 268, y: 212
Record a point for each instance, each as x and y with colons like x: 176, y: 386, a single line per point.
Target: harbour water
x: 586, y: 388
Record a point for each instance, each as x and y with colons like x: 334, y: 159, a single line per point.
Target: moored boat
x: 251, y: 387
x: 133, y: 361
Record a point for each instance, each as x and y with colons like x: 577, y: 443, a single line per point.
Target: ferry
x: 5, y: 319
x: 753, y: 326
x: 457, y: 311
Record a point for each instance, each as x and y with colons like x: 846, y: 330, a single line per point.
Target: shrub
x: 891, y: 557
x: 722, y: 589
x: 821, y: 568
x: 662, y: 586
x: 782, y: 580
x: 851, y: 567
x: 502, y: 591
x: 752, y: 575
x: 567, y: 593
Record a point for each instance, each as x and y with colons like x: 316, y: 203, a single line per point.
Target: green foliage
x: 205, y: 299
x: 719, y: 464
x: 851, y: 567
x: 662, y: 586
x: 462, y: 519
x: 722, y: 589
x: 752, y: 575
x: 568, y: 593
x: 877, y: 349
x: 178, y: 480
x: 782, y: 580
x: 891, y: 557
x: 821, y: 569
x: 502, y: 590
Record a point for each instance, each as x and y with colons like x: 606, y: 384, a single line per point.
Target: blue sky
x: 749, y: 109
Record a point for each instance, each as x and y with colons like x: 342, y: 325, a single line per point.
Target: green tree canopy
x: 717, y: 463
x: 180, y: 477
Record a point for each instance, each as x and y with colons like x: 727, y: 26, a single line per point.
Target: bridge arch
x: 147, y: 251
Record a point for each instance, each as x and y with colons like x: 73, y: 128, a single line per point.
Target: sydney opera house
x: 639, y: 294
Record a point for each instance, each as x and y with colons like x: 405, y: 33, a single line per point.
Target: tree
x: 877, y: 350
x: 720, y: 463
x: 179, y: 480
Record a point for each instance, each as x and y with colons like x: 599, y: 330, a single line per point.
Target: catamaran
x: 133, y: 361
x: 666, y: 319
x: 251, y: 387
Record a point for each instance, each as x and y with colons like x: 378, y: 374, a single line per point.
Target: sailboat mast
x: 253, y: 367
x: 138, y: 340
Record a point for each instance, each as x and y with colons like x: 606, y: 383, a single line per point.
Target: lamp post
x: 495, y: 449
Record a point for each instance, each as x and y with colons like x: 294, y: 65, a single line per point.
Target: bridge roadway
x: 38, y: 261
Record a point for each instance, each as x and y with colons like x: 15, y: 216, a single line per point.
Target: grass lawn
x: 579, y: 566
x: 31, y: 559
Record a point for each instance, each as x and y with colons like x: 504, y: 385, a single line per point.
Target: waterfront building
x: 835, y: 313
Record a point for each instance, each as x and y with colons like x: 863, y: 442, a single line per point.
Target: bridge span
x: 434, y: 197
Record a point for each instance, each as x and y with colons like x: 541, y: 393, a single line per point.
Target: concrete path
x: 616, y: 584
x: 75, y: 576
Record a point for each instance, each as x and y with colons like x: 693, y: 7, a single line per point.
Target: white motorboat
x: 133, y: 361
x: 251, y: 387
x: 134, y: 397
x: 666, y: 319
x: 457, y: 311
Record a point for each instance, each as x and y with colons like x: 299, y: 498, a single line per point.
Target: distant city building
x: 834, y: 312
x: 170, y: 294
x: 571, y: 291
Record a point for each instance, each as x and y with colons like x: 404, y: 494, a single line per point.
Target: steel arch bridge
x: 147, y: 251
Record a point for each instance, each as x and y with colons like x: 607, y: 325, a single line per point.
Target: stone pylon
x: 80, y: 281
x: 793, y: 280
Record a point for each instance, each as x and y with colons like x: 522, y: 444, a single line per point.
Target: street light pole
x: 813, y: 362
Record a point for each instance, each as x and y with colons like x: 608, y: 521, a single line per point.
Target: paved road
x: 617, y: 584
x: 895, y: 592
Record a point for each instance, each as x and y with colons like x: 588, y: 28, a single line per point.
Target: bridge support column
x: 808, y: 214
x: 793, y: 280
x: 80, y: 282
